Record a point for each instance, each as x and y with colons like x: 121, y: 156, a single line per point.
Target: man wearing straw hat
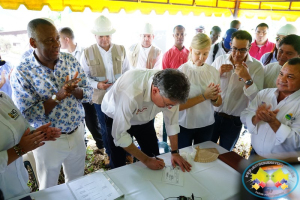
x: 103, y: 62
x: 145, y: 55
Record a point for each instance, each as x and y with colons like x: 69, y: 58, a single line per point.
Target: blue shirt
x: 33, y: 83
x: 6, y: 87
x: 27, y: 53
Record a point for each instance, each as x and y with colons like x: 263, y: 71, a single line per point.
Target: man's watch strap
x: 175, y: 151
x: 249, y: 82
x: 55, y: 99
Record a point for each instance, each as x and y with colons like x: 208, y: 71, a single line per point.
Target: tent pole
x: 236, y: 9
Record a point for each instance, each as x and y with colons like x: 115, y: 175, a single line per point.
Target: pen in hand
x: 157, y: 158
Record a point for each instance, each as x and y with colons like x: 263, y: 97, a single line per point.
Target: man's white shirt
x: 264, y: 140
x: 235, y: 96
x: 271, y: 73
x: 200, y: 77
x: 220, y: 52
x: 143, y: 57
x: 77, y: 52
x: 108, y: 64
x: 129, y: 103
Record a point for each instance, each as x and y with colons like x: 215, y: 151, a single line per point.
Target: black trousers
x: 91, y: 121
x: 228, y: 129
x: 144, y: 134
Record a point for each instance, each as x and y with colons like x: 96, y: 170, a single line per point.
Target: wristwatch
x: 249, y: 82
x: 55, y: 99
x: 175, y: 151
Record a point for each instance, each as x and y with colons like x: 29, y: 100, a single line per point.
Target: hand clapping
x: 35, y: 139
x: 212, y: 91
x: 264, y: 113
x: 68, y: 88
x: 51, y: 132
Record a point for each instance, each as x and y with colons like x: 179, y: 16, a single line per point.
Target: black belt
x: 226, y: 116
x: 69, y: 133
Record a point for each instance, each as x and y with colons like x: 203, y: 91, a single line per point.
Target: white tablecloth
x: 214, y: 180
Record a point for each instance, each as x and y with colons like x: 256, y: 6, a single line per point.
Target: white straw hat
x: 147, y: 29
x: 287, y: 30
x: 102, y: 26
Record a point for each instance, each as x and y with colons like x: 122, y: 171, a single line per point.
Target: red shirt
x: 258, y: 52
x: 175, y: 58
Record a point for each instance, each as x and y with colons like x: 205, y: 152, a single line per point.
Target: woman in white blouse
x: 17, y: 138
x: 196, y: 116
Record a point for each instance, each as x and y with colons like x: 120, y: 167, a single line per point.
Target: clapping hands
x: 264, y: 113
x: 68, y: 88
x: 36, y: 138
x: 212, y: 91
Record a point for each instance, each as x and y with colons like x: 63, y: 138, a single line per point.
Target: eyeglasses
x: 169, y: 106
x: 242, y: 50
x: 278, y: 38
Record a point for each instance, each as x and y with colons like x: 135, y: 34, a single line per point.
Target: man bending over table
x: 131, y: 106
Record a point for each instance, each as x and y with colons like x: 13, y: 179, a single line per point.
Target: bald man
x: 50, y: 86
x: 273, y: 117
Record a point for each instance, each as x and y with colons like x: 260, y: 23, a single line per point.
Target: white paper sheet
x: 94, y: 187
x: 173, y: 176
x: 190, y: 186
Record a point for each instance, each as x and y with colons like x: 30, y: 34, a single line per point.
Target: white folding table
x: 214, y: 180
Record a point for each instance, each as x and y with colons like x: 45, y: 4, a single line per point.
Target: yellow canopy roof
x: 276, y: 9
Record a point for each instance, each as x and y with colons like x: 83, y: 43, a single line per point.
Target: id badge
x: 14, y: 114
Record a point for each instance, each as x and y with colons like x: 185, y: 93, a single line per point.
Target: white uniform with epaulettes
x: 13, y: 177
x: 283, y: 143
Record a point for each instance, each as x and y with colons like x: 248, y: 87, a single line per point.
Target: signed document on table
x: 173, y: 176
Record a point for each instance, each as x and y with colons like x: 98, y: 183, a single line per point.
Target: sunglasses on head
x: 278, y: 39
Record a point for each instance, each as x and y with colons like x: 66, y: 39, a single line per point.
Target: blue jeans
x: 198, y: 135
x: 228, y: 130
x: 103, y: 131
